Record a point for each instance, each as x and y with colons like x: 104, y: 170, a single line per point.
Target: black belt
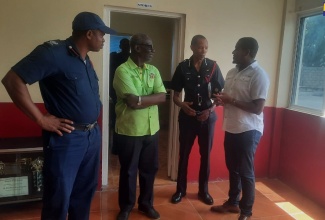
x: 200, y: 112
x: 84, y: 127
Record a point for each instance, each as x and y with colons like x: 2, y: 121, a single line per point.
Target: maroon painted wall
x: 218, y: 168
x: 302, y: 156
x: 16, y: 124
x: 291, y: 149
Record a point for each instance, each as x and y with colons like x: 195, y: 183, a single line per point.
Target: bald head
x: 138, y: 39
x: 141, y: 49
x: 196, y: 39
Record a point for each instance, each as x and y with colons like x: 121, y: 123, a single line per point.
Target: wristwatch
x: 139, y: 100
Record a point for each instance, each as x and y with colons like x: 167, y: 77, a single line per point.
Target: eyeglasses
x: 148, y: 46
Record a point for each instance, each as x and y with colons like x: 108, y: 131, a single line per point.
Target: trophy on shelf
x: 24, y: 164
x: 2, y: 168
x: 37, y: 166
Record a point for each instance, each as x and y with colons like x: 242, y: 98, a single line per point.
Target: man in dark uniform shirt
x: 199, y: 77
x: 71, y: 136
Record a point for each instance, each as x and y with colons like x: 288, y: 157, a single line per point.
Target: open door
x: 167, y: 32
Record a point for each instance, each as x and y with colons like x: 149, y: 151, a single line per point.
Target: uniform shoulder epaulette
x: 209, y: 60
x: 52, y: 43
x: 184, y: 62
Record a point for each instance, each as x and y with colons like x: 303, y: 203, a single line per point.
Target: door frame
x: 177, y: 56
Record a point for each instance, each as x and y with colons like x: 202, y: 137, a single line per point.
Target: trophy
x: 2, y: 168
x: 37, y: 166
x: 24, y: 164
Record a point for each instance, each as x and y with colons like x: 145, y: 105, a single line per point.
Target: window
x: 308, y: 91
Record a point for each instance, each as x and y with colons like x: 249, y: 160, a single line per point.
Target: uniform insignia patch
x: 52, y: 42
x: 152, y: 76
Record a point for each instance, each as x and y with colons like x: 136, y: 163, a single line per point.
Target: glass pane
x: 310, y: 64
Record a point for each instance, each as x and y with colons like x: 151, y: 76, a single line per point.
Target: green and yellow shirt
x: 131, y: 79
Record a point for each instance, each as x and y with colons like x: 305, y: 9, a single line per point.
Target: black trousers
x: 189, y: 129
x: 240, y: 152
x: 137, y: 154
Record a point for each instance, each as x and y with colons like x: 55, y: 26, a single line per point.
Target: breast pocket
x: 228, y: 82
x: 79, y: 82
x: 245, y: 79
x: 151, y: 82
x: 190, y: 81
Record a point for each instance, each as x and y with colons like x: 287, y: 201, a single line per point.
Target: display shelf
x: 21, y: 162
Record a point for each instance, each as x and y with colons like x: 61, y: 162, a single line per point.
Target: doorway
x: 167, y: 33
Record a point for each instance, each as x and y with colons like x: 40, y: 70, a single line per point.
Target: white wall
x: 303, y: 5
x: 25, y: 24
x: 159, y: 29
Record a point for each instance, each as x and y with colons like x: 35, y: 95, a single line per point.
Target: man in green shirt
x: 139, y: 89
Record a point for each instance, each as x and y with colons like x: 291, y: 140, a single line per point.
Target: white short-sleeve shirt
x: 247, y: 85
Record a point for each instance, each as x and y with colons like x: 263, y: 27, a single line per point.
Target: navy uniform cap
x: 90, y: 21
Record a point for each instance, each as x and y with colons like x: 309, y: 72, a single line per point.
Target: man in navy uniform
x: 200, y: 77
x: 71, y: 135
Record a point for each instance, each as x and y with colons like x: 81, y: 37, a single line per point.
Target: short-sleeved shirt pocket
x: 190, y: 80
x: 245, y: 79
x: 151, y: 80
x: 228, y: 81
x: 136, y: 81
x: 78, y: 81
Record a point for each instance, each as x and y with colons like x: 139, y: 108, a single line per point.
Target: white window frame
x: 296, y: 67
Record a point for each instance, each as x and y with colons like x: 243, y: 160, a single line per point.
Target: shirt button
x: 198, y: 76
x: 198, y: 85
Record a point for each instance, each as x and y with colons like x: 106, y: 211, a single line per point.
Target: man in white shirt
x: 243, y: 99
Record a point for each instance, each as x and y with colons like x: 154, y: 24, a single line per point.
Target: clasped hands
x: 202, y: 116
x: 222, y: 98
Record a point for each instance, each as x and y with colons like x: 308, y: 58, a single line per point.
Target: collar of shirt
x: 133, y: 66
x: 191, y: 62
x: 252, y: 65
x: 73, y: 50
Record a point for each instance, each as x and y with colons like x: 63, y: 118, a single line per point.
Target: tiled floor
x: 274, y: 200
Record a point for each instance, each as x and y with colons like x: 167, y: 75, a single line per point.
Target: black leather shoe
x: 149, y: 212
x: 123, y: 215
x: 177, y: 197
x: 206, y: 198
x: 244, y: 217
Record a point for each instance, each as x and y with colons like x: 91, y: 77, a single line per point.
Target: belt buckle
x: 89, y: 127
